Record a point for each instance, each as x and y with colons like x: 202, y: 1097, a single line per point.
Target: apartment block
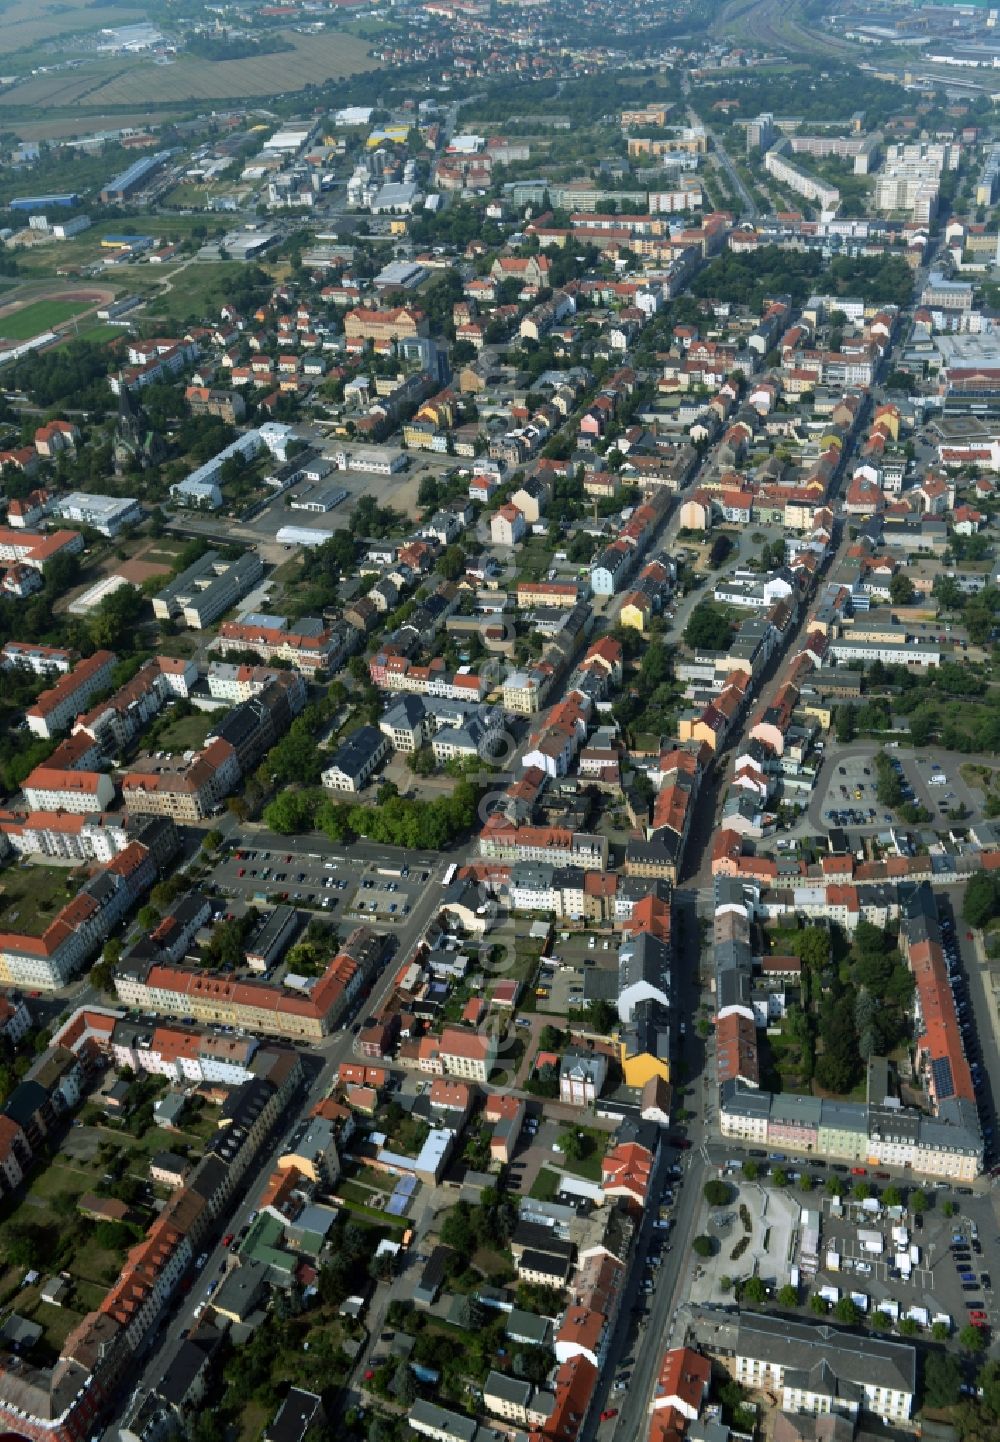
x: 56, y: 708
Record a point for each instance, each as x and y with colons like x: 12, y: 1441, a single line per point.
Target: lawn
x: 99, y: 332
x: 545, y: 1186
x: 534, y: 559
x: 30, y: 896
x: 41, y: 315
x: 200, y: 286
x: 183, y: 733
x: 595, y: 1145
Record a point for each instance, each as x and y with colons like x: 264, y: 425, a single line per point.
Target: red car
x: 883, y: 1176
x: 369, y: 1374
x: 979, y: 1319
x: 608, y: 1413
x: 227, y: 1240
x: 968, y: 936
x: 859, y: 1172
x: 242, y: 871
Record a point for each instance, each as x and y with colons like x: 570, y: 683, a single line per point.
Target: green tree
x: 751, y: 1170
x: 602, y: 1016
x: 902, y: 590
x: 452, y: 563
x: 291, y: 812
x: 788, y: 1296
x: 779, y: 1177
x: 971, y: 1339
x: 942, y: 1380
x: 845, y: 723
x: 806, y: 1182
x: 892, y: 1197
x: 753, y: 1291
x: 717, y: 1194
x: 989, y: 1381
x: 708, y: 628
x: 981, y: 903
x: 907, y: 1327
x: 940, y: 1331
x: 818, y: 1305
x: 846, y: 1312
x: 834, y: 1187
x: 703, y: 1246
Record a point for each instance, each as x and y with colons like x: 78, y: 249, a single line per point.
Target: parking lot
x: 850, y: 798
x: 341, y: 888
x: 849, y: 781
x: 936, y: 783
x: 950, y: 1274
x: 581, y: 966
x: 941, y: 1274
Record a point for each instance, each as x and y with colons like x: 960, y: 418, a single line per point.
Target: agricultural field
x: 47, y: 126
x: 313, y: 60
x: 41, y: 315
x: 27, y: 24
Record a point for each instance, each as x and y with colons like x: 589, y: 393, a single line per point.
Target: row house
x: 64, y: 835
x: 390, y: 672
x: 502, y: 840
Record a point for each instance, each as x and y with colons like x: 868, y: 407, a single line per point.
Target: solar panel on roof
x: 944, y: 1082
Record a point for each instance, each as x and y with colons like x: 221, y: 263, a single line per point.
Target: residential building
x: 57, y: 707
x: 110, y: 515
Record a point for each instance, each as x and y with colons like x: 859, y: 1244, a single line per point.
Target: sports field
x: 40, y: 316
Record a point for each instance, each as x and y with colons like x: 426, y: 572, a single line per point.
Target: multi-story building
x: 208, y: 588
x: 501, y: 840
x: 468, y: 1054
x: 68, y: 789
x: 308, y: 644
x: 183, y: 1054
x: 113, y: 723
x: 255, y: 1005
x: 35, y: 657
x: 356, y: 760
x: 64, y: 835
x: 57, y: 707
x: 186, y: 791
x: 581, y: 1077
x: 778, y: 163
x: 107, y: 514
x: 47, y: 961
x: 34, y: 550
x: 383, y: 328
x: 812, y: 1368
